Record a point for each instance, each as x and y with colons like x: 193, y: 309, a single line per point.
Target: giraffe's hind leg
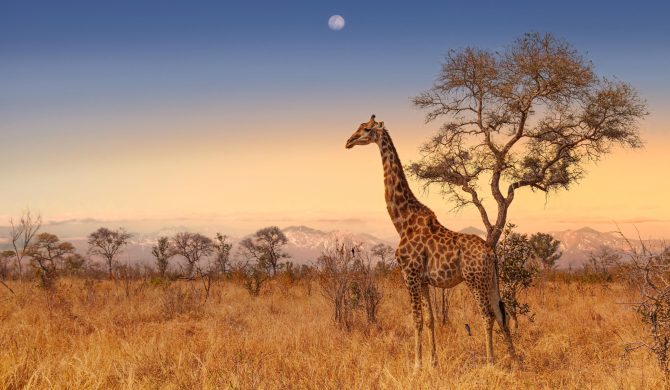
x: 479, y: 285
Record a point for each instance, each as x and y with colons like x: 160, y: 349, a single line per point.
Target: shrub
x: 516, y: 273
x: 649, y: 271
x: 349, y: 282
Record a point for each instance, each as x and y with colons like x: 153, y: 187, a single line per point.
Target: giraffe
x: 430, y: 254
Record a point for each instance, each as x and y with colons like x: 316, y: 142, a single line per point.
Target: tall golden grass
x: 102, y: 335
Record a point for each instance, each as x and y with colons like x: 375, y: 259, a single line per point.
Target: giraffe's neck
x: 399, y: 197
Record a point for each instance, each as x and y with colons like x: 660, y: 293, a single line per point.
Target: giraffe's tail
x: 497, y: 304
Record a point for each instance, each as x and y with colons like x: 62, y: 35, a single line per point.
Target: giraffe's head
x: 367, y: 132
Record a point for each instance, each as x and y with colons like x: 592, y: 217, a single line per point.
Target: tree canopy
x: 266, y: 246
x: 530, y: 116
x: 107, y: 244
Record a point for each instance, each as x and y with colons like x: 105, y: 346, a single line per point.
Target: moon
x: 336, y: 23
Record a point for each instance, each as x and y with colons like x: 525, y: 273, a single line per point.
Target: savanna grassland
x: 106, y: 334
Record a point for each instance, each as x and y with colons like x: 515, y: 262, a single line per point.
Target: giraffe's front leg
x: 431, y: 324
x: 414, y: 286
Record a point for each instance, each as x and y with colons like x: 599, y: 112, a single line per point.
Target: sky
x: 236, y: 112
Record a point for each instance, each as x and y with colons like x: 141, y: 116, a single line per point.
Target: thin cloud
x: 342, y: 220
x: 612, y: 221
x: 75, y: 221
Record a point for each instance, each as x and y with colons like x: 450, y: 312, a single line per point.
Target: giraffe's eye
x: 367, y: 130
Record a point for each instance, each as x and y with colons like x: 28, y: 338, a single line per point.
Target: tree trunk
x: 493, y: 236
x: 19, y: 268
x: 109, y: 269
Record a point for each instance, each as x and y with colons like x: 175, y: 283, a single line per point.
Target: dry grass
x: 95, y: 336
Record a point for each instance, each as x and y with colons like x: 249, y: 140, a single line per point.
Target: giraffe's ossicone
x: 429, y: 253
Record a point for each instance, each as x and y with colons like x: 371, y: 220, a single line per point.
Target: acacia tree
x: 530, y: 116
x: 383, y: 252
x: 546, y: 249
x: 108, y: 244
x: 162, y: 252
x: 386, y: 256
x: 48, y: 254
x: 266, y: 247
x: 192, y: 247
x: 21, y: 234
x: 222, y: 249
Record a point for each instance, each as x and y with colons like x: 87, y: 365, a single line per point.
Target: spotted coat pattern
x: 429, y: 253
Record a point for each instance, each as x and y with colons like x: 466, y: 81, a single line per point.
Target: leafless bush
x: 335, y: 274
x: 5, y: 257
x: 177, y: 301
x: 206, y: 275
x: 21, y: 234
x: 366, y: 276
x: 88, y: 292
x: 254, y: 278
x: 649, y: 270
x: 124, y: 275
x: 601, y: 264
x: 348, y: 281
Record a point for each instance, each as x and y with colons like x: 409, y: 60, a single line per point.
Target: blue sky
x: 68, y: 55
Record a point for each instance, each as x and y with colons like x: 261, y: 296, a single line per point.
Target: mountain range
x: 305, y: 244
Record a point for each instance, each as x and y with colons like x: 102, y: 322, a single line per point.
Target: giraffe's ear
x: 381, y: 124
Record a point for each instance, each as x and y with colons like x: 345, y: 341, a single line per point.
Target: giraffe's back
x: 443, y: 257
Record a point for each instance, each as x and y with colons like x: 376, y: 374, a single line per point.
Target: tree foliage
x: 530, y: 116
x: 386, y: 256
x: 108, y: 244
x: 546, y: 249
x: 516, y: 273
x: 192, y: 247
x: 162, y: 253
x: 266, y: 248
x: 49, y: 254
x: 222, y: 250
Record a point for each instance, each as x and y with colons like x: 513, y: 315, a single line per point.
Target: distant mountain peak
x: 587, y: 229
x: 473, y: 230
x: 302, y: 228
